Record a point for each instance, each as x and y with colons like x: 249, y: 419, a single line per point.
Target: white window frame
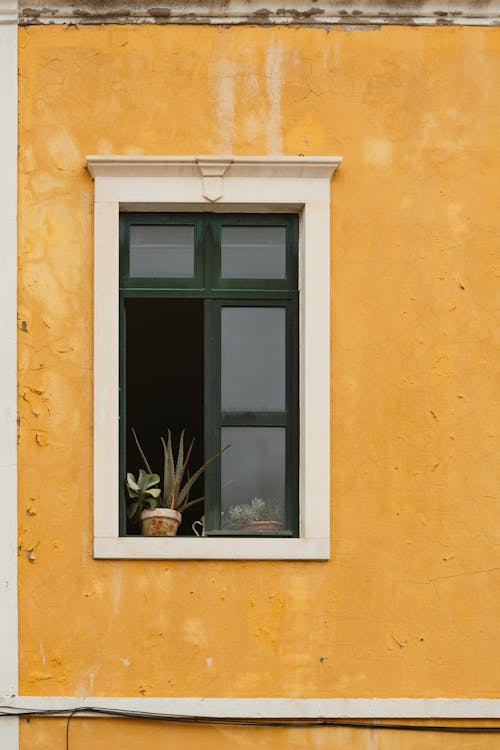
x: 221, y: 184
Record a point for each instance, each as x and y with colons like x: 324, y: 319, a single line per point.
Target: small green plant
x: 142, y: 491
x: 176, y: 487
x: 257, y: 509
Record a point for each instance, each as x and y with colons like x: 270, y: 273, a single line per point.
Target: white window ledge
x: 209, y: 183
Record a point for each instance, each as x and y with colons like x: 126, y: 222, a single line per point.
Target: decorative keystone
x: 212, y: 173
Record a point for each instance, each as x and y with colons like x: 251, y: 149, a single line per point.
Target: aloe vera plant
x: 177, y: 482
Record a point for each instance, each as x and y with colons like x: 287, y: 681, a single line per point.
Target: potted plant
x: 256, y: 516
x: 160, y: 511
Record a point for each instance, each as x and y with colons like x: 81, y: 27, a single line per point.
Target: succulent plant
x: 142, y: 491
x: 257, y: 509
x: 175, y: 493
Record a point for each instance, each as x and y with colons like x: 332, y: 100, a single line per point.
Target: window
x: 229, y: 186
x: 209, y: 318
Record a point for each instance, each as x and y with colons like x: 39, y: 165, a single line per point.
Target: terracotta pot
x: 160, y: 522
x: 257, y: 526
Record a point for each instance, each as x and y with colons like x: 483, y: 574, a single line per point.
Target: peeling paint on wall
x: 222, y: 74
x: 274, y: 58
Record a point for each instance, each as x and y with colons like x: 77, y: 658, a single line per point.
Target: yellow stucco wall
x: 409, y: 604
x: 103, y: 734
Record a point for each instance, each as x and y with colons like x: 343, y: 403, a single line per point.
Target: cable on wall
x: 268, y: 722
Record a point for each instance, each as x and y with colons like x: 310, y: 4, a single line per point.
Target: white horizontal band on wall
x: 8, y: 11
x: 276, y: 708
x: 300, y: 12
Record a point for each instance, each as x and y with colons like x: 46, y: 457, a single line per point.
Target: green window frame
x: 215, y: 293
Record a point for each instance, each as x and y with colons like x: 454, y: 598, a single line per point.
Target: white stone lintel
x: 192, y: 166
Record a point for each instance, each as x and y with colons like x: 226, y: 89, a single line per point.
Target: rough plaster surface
x: 135, y: 735
x: 409, y: 603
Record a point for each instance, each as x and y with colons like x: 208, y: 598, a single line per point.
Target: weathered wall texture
x: 103, y: 734
x: 409, y: 604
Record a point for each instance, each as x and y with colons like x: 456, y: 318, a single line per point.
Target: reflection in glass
x: 253, y: 478
x: 253, y: 359
x: 253, y: 253
x: 161, y: 251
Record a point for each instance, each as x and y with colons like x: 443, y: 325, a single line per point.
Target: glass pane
x: 162, y: 251
x: 253, y: 478
x: 253, y: 253
x: 253, y: 358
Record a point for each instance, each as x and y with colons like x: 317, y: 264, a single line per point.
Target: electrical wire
x: 70, y: 716
x: 246, y: 722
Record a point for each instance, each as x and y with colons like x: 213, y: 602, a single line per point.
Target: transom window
x: 209, y: 339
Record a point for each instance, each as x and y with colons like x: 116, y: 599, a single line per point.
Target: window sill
x: 206, y: 548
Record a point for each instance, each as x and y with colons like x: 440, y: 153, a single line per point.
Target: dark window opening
x: 164, y: 380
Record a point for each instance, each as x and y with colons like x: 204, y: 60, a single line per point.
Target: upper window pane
x: 162, y: 251
x: 253, y: 253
